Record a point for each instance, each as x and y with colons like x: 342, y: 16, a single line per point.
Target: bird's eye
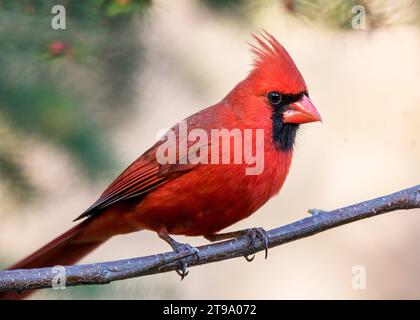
x: 274, y: 97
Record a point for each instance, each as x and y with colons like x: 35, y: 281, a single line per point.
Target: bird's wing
x: 142, y: 176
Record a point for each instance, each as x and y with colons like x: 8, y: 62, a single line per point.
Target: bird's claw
x: 255, y: 234
x: 182, y: 270
x: 249, y: 258
x: 316, y: 212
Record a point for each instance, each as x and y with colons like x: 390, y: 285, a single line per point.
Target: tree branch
x: 106, y: 272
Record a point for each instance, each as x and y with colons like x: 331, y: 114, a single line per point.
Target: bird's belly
x: 208, y: 199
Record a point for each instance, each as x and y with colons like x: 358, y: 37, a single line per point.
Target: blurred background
x: 78, y: 105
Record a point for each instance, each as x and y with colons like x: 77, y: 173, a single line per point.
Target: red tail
x: 64, y: 250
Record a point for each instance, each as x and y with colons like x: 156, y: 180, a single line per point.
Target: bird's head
x: 276, y: 85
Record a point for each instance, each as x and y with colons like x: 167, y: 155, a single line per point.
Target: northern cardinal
x: 200, y: 199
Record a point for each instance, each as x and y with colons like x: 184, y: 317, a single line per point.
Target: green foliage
x: 334, y: 14
x: 338, y: 14
x: 125, y: 6
x: 40, y: 70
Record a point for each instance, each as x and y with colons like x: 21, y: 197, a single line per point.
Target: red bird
x: 200, y: 199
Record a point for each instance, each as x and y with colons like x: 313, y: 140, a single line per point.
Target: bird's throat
x: 284, y: 134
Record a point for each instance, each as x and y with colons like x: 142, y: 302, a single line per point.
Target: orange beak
x: 302, y: 111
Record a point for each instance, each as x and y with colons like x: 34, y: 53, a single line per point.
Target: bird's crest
x: 273, y: 64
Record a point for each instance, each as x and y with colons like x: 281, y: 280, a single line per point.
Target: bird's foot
x: 182, y: 270
x: 316, y: 212
x: 254, y: 235
x: 180, y: 248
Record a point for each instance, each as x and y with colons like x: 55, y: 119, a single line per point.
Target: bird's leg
x: 316, y: 212
x: 252, y: 233
x: 179, y: 247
